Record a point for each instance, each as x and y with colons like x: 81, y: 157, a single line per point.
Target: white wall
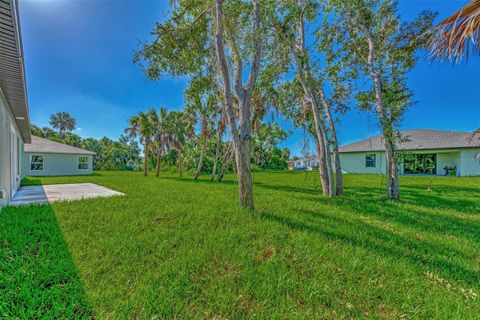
x: 464, y: 160
x: 57, y: 164
x: 470, y: 164
x: 450, y: 159
x: 6, y: 123
x: 355, y: 163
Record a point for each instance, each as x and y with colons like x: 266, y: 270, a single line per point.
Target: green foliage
x: 266, y: 153
x: 344, y: 34
x: 176, y: 248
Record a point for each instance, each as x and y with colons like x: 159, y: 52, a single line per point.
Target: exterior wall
x: 355, y: 163
x: 6, y: 123
x: 451, y: 159
x: 57, y: 164
x: 470, y: 162
x: 465, y: 161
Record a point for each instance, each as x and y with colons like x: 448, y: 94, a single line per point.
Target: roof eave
x: 13, y: 80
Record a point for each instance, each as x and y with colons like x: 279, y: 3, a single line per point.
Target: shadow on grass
x: 426, y: 253
x: 38, y: 278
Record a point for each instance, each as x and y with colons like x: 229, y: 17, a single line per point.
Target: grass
x: 176, y: 248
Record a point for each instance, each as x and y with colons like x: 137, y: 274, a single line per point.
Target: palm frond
x: 458, y: 35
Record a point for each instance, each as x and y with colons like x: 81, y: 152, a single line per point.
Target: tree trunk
x: 159, y: 160
x: 336, y: 155
x: 225, y: 162
x: 241, y: 135
x: 245, y: 183
x: 200, y: 161
x: 179, y: 161
x: 215, y: 160
x: 325, y: 159
x: 145, y: 161
x: 393, y: 186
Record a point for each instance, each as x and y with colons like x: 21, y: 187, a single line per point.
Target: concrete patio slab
x: 59, y: 192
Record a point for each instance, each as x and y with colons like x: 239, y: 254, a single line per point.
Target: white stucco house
x: 44, y: 157
x: 14, y: 115
x: 423, y: 152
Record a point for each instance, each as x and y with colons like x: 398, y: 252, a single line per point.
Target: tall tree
x: 141, y: 126
x: 213, y: 36
x: 63, y: 121
x: 372, y: 38
x: 291, y: 31
x: 161, y: 134
x: 177, y: 131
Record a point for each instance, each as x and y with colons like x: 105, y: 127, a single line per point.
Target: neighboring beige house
x: 427, y: 152
x: 14, y: 116
x: 44, y: 157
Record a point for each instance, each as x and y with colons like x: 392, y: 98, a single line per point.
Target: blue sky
x: 78, y: 57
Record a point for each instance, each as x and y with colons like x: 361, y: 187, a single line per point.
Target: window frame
x: 79, y: 162
x: 37, y: 162
x: 373, y: 157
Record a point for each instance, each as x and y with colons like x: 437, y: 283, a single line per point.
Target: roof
x: 42, y: 145
x: 419, y: 139
x: 12, y: 70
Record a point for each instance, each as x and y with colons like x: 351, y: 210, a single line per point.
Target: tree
x: 241, y: 132
x: 62, y: 121
x: 177, y: 131
x: 141, y: 126
x: 457, y: 35
x: 203, y: 102
x: 161, y: 134
x: 290, y: 29
x: 371, y: 38
x: 204, y: 37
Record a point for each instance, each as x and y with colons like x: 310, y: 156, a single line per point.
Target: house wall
x: 464, y: 160
x: 7, y: 121
x: 355, y: 163
x: 470, y: 162
x: 448, y: 159
x: 56, y: 164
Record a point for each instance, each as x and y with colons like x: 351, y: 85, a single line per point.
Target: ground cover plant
x: 178, y: 248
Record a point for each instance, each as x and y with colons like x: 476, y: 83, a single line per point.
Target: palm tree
x: 141, y: 126
x: 62, y: 121
x: 161, y: 134
x: 177, y: 133
x: 459, y: 34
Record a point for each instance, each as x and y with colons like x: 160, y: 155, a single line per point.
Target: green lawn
x: 176, y: 248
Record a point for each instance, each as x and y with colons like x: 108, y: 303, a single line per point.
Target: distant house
x: 44, y: 157
x: 14, y: 115
x: 308, y: 162
x: 422, y: 152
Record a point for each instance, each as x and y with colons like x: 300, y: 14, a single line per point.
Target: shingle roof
x: 42, y: 145
x: 418, y: 139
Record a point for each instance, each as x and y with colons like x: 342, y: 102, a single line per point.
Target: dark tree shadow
x: 432, y: 256
x: 38, y: 278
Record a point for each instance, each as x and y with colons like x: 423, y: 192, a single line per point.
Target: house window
x: 36, y: 163
x: 370, y: 160
x: 420, y: 164
x: 83, y: 163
